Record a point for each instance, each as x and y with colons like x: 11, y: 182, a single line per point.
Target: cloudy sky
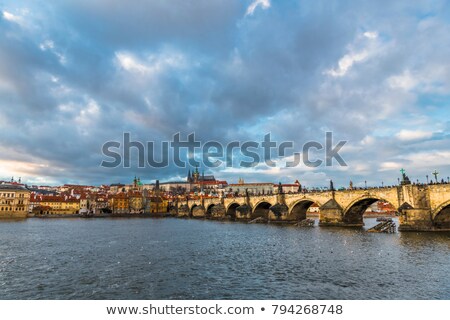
x: 75, y: 74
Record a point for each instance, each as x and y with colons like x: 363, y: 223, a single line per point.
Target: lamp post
x: 398, y: 179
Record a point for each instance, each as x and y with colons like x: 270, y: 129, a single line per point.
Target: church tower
x: 196, y: 175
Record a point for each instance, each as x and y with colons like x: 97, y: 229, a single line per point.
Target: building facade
x: 156, y: 204
x: 14, y: 201
x: 55, y: 205
x: 119, y: 203
x: 241, y: 188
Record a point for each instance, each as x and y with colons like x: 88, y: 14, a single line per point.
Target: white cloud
x: 431, y: 79
x: 265, y: 4
x: 65, y: 107
x: 12, y: 18
x: 152, y: 65
x: 389, y: 166
x: 87, y: 117
x: 433, y: 159
x: 47, y: 44
x: 61, y: 58
x: 413, y: 135
x: 83, y: 115
x: 370, y: 34
x: 19, y: 168
x: 361, y: 168
x: 368, y: 140
x: 364, y: 46
x: 19, y: 164
x: 403, y: 81
x: 346, y: 62
x: 129, y: 63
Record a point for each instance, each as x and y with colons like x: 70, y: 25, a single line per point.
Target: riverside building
x: 14, y: 201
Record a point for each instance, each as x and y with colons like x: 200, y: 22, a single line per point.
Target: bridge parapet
x: 349, y: 197
x: 256, y: 200
x: 239, y: 200
x: 317, y: 197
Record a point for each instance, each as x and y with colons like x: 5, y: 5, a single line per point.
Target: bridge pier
x: 416, y: 220
x: 198, y: 211
x: 243, y: 212
x: 183, y: 210
x: 332, y: 215
x: 279, y: 213
x: 216, y: 211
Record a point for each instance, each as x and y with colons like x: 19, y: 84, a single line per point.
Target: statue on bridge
x: 435, y: 174
x: 331, y: 185
x: 280, y: 188
x: 351, y: 185
x: 405, y: 178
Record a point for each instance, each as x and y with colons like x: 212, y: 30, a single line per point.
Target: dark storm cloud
x: 75, y: 74
x: 142, y: 24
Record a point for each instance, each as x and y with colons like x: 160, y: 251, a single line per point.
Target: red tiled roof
x: 60, y: 198
x: 120, y: 195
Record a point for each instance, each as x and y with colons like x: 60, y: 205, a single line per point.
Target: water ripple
x: 187, y: 259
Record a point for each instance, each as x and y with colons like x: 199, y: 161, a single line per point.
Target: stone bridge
x: 420, y: 207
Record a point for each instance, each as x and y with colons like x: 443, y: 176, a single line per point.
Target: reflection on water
x: 192, y: 259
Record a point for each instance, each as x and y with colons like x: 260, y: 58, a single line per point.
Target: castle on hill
x: 195, y: 177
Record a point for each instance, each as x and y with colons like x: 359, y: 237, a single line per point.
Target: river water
x: 139, y: 258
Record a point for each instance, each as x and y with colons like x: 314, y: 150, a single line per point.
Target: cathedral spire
x: 196, y: 175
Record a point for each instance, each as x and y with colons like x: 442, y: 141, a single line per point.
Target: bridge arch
x: 261, y: 209
x: 208, y: 211
x: 197, y: 210
x: 353, y: 213
x: 441, y: 216
x: 299, y: 208
x: 231, y: 210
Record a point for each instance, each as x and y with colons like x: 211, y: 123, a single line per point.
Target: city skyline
x: 434, y: 177
x: 77, y: 74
